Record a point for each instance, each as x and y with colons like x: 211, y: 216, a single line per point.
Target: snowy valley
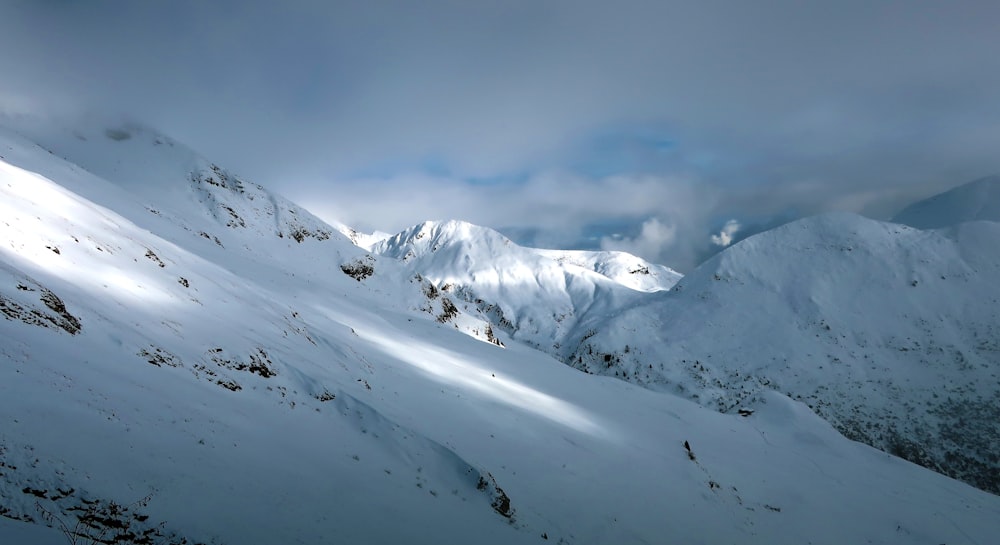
x: 232, y: 369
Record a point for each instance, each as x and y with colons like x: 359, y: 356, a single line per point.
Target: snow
x: 15, y: 531
x: 886, y: 331
x: 362, y: 240
x: 624, y: 268
x: 536, y: 296
x: 977, y: 200
x: 256, y: 393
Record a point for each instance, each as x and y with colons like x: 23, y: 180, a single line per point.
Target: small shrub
x: 359, y: 269
x: 100, y: 522
x: 448, y: 310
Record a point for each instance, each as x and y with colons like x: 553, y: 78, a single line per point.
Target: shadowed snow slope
x: 888, y: 332
x: 978, y: 200
x: 263, y: 389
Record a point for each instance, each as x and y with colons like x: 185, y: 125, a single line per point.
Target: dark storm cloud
x: 738, y: 110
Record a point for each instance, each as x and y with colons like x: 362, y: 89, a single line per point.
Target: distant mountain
x: 173, y: 181
x: 911, y: 371
x: 536, y: 296
x: 186, y: 357
x: 912, y: 368
x: 890, y: 333
x: 978, y: 200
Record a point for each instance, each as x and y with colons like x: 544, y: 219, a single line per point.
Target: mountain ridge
x: 884, y: 330
x: 269, y: 390
x: 536, y: 296
x: 975, y: 200
x: 843, y: 255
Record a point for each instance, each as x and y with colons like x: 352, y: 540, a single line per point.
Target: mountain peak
x: 835, y: 310
x: 271, y: 378
x: 166, y: 178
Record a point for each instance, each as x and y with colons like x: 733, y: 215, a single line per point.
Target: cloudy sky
x: 668, y: 129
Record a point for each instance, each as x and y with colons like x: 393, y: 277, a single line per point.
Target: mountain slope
x: 624, y: 268
x: 270, y: 397
x: 537, y: 296
x: 164, y: 187
x: 977, y: 200
x: 888, y: 332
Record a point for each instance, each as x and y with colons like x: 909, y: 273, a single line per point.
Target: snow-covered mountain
x: 977, y: 200
x: 541, y: 297
x: 170, y: 371
x: 826, y: 310
x: 888, y: 332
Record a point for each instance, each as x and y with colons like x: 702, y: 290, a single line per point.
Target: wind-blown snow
x: 263, y: 387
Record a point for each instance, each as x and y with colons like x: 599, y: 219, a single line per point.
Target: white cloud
x: 298, y: 100
x: 497, y: 87
x: 725, y: 236
x: 558, y: 204
x: 551, y: 201
x: 651, y: 243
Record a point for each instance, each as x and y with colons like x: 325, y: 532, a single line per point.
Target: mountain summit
x: 536, y: 296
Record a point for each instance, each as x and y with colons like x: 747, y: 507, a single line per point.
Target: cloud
x: 725, y: 236
x: 654, y: 239
x: 334, y: 86
x: 762, y: 107
x: 551, y: 200
x: 558, y: 206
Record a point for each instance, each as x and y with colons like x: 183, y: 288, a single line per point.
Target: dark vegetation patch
x: 300, y: 233
x: 215, y: 239
x: 159, y: 357
x: 491, y: 337
x: 151, y: 255
x: 359, y: 269
x: 58, y: 318
x: 45, y: 497
x: 229, y: 384
x: 448, y: 310
x: 118, y: 135
x: 259, y: 362
x: 499, y: 500
x: 66, y: 320
x: 326, y: 395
